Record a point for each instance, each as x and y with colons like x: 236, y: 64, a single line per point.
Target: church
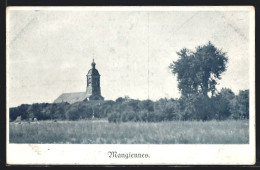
x: 93, y: 90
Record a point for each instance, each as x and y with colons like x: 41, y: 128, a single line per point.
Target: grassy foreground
x: 102, y: 132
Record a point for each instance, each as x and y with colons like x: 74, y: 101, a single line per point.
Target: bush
x: 195, y: 107
x: 222, y: 104
x: 114, y: 118
x: 240, y: 105
x: 72, y: 114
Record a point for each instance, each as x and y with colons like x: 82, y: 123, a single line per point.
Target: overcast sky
x: 50, y: 51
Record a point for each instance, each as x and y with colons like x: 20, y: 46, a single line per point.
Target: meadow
x: 102, y: 132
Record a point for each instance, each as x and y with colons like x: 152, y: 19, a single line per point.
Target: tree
x: 240, y: 105
x: 120, y: 100
x: 196, y: 107
x: 198, y: 72
x: 222, y: 104
x: 227, y: 93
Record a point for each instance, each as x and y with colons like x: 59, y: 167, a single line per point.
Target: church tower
x: 93, y: 83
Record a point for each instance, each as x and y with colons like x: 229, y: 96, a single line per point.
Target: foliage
x: 224, y: 105
x: 196, y: 107
x: 198, y: 72
x: 240, y: 105
x: 19, y: 111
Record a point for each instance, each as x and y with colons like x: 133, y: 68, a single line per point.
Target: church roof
x: 71, y: 97
x: 93, y: 72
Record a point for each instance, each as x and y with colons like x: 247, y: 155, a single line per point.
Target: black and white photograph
x: 130, y: 85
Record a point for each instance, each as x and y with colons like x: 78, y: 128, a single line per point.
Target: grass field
x: 102, y: 132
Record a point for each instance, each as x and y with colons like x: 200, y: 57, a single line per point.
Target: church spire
x: 93, y: 64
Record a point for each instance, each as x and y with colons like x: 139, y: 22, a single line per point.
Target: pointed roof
x: 93, y: 71
x: 93, y: 64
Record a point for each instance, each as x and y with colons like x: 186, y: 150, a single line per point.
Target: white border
x: 138, y: 8
x: 87, y: 154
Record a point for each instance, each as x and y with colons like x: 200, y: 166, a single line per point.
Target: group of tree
x: 197, y: 74
x: 224, y: 105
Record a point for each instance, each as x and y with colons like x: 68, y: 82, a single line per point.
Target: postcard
x: 131, y: 85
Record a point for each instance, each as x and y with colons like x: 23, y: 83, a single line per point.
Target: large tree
x: 198, y: 71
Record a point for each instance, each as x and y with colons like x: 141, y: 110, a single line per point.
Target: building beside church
x: 93, y: 90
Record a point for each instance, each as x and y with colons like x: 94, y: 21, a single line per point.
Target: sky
x: 49, y: 51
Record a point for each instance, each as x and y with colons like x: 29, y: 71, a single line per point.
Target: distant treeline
x: 224, y: 105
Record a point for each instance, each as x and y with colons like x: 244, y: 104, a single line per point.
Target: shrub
x: 240, y: 105
x: 114, y: 117
x: 72, y: 114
